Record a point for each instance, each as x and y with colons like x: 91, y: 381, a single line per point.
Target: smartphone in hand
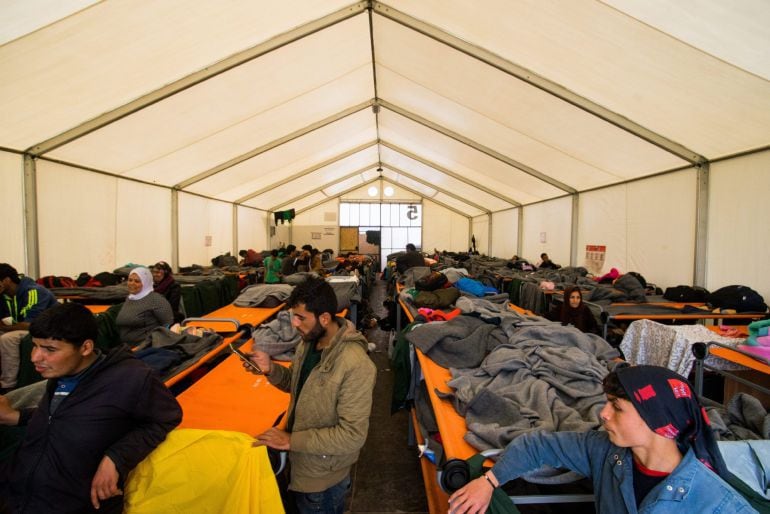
x: 245, y: 358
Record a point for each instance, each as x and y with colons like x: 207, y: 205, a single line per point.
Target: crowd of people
x: 103, y: 412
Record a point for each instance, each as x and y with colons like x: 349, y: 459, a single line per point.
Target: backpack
x: 740, y: 298
x: 686, y: 294
x: 50, y: 281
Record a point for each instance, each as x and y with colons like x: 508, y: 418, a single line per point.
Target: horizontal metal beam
x: 311, y: 169
x: 450, y: 173
x: 539, y: 82
x: 200, y: 76
x: 275, y: 143
x: 476, y: 146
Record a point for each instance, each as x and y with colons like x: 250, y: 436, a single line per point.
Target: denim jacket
x: 691, y: 487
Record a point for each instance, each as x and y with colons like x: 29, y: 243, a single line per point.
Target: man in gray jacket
x: 331, y: 381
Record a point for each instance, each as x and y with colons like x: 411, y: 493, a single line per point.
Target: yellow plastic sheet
x: 203, y: 471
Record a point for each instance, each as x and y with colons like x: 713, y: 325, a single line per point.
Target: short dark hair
x: 543, y: 255
x: 290, y: 248
x: 316, y: 294
x: 612, y: 386
x: 243, y: 253
x: 307, y: 247
x: 410, y: 247
x: 69, y: 322
x: 8, y: 271
x: 274, y: 252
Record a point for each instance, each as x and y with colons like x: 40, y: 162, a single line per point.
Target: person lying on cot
x: 331, y: 381
x: 656, y: 454
x: 572, y: 311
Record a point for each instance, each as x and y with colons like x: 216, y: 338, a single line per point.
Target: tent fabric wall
x: 77, y: 216
x: 505, y: 233
x: 143, y: 220
x: 252, y: 229
x: 12, y: 250
x: 551, y: 220
x: 480, y: 230
x: 443, y: 229
x: 647, y: 226
x: 201, y: 219
x: 738, y: 237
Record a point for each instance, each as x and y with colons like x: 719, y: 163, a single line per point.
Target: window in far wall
x: 399, y: 223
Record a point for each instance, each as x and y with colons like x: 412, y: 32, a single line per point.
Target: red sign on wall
x: 595, y: 255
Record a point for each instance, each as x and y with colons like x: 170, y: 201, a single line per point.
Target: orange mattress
x: 450, y: 424
x: 230, y: 398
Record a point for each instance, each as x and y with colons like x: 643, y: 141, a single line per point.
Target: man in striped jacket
x: 21, y: 301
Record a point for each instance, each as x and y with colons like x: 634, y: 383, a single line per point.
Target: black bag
x: 740, y: 298
x: 686, y: 294
x: 434, y: 280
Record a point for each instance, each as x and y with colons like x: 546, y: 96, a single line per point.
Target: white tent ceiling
x: 480, y: 106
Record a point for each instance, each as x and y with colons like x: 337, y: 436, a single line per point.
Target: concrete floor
x: 387, y: 477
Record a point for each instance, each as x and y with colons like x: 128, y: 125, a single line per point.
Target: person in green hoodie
x: 331, y: 381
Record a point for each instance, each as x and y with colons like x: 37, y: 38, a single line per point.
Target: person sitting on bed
x: 410, y: 259
x: 144, y: 310
x: 331, y: 381
x: 100, y: 415
x: 547, y: 263
x: 573, y: 311
x: 656, y: 454
x: 164, y: 283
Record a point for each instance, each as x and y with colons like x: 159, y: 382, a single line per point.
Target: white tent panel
x: 443, y: 229
x: 12, y: 210
x: 480, y: 230
x: 20, y: 18
x: 458, y: 205
x: 345, y: 185
x: 547, y: 229
x: 268, y: 168
x: 437, y: 178
x: 235, y: 112
x: 143, y: 220
x: 506, y: 114
x: 505, y: 234
x: 660, y: 225
x: 337, y: 176
x: 738, y: 238
x: 117, y: 51
x: 633, y: 69
x: 301, y: 204
x: 205, y: 228
x: 123, y: 141
x: 602, y: 216
x: 252, y: 229
x: 362, y: 193
x: 735, y: 32
x: 67, y: 198
x: 420, y: 187
x: 463, y: 159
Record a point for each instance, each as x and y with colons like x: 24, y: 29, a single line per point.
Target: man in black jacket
x: 100, y: 416
x: 410, y: 259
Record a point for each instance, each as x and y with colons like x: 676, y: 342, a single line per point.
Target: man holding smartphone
x: 331, y: 381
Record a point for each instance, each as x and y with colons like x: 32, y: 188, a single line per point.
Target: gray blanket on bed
x: 544, y: 378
